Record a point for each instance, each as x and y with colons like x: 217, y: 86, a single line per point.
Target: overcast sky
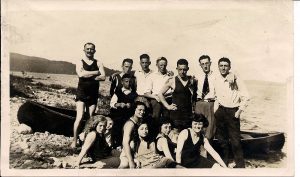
x: 256, y: 35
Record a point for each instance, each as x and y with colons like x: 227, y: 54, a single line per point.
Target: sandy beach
x: 265, y: 113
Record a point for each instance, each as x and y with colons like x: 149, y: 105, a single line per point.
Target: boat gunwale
x: 269, y: 135
x: 52, y: 111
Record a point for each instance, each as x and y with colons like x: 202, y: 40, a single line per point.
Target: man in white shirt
x: 142, y: 79
x: 157, y: 81
x: 142, y: 75
x: 232, y: 98
x: 205, y: 95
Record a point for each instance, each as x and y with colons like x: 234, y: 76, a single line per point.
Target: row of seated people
x: 139, y: 150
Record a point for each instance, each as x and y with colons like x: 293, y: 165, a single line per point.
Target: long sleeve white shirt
x: 231, y: 95
x: 142, y: 81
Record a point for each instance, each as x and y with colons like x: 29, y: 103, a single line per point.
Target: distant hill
x: 19, y: 62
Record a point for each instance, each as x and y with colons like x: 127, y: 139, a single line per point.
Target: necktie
x: 205, y: 88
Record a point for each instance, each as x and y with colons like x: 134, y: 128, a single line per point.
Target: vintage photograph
x: 179, y: 87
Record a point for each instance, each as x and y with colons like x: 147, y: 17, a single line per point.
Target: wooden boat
x: 258, y: 143
x: 43, y: 118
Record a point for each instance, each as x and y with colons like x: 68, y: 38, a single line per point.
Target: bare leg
x: 92, y: 109
x: 124, y: 163
x: 80, y: 106
x: 89, y: 141
x: 216, y: 165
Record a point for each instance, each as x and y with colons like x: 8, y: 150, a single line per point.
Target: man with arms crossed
x: 232, y: 98
x: 90, y: 71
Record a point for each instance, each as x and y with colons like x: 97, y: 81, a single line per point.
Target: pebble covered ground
x: 42, y: 150
x: 46, y: 151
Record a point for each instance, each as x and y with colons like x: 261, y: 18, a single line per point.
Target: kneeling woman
x: 144, y: 151
x: 189, y: 144
x: 95, y: 143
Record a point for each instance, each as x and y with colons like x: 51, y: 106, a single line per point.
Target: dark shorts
x: 181, y: 119
x: 88, y: 93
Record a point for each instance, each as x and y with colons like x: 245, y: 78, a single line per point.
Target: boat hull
x: 257, y: 143
x: 43, y: 118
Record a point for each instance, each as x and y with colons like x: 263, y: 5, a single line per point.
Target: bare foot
x: 73, y: 145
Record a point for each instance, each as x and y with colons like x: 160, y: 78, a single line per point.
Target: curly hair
x: 92, y: 123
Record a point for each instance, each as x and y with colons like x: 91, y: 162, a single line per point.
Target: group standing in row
x: 146, y: 104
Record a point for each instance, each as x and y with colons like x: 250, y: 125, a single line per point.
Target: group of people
x: 159, y: 119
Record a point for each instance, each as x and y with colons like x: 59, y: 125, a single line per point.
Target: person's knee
x: 216, y: 165
x: 123, y: 163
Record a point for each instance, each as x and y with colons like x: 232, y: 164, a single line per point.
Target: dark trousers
x: 158, y: 111
x: 119, y: 117
x: 181, y: 118
x: 228, y: 129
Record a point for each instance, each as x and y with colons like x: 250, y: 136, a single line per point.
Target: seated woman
x: 144, y: 151
x: 129, y: 132
x: 96, y: 145
x: 164, y: 145
x: 189, y: 143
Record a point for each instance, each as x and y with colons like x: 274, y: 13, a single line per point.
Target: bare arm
x: 128, y: 127
x: 102, y: 76
x: 161, y: 97
x: 83, y: 73
x: 213, y: 153
x: 89, y: 141
x: 162, y: 142
x: 181, y: 139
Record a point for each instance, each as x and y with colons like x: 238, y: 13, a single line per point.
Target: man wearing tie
x: 205, y: 95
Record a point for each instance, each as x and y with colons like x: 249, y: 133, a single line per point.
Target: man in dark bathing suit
x: 90, y: 71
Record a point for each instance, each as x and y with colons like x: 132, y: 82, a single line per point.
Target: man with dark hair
x: 205, y: 95
x: 90, y: 71
x: 183, y: 96
x: 142, y: 75
x: 122, y: 107
x: 232, y: 98
x: 156, y: 81
x: 116, y: 82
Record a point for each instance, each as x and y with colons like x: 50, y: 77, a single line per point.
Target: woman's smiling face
x: 143, y: 130
x: 139, y: 111
x: 197, y: 126
x: 166, y: 128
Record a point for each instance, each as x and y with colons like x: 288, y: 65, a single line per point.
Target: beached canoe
x: 43, y: 118
x: 258, y: 143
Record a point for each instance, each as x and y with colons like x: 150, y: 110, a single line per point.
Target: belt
x: 206, y: 100
x: 221, y: 106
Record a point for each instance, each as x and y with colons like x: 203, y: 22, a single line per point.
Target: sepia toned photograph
x: 147, y: 88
